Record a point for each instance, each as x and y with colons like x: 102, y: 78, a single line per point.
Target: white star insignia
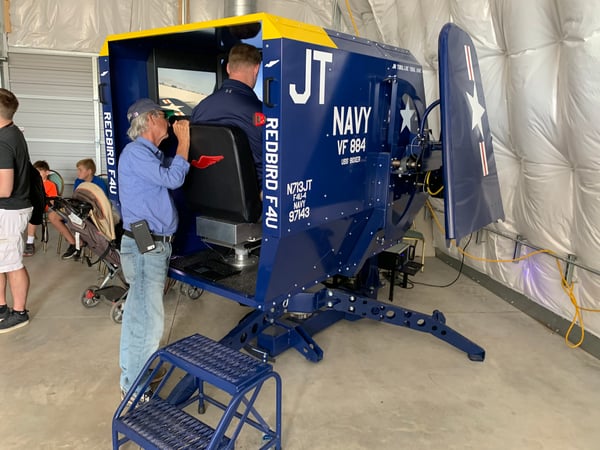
x: 173, y: 107
x: 477, y: 110
x: 407, y: 115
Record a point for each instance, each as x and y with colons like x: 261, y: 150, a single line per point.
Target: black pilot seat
x: 222, y: 188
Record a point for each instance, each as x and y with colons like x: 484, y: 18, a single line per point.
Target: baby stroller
x: 89, y: 215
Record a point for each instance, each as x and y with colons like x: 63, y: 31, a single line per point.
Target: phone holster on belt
x: 142, y: 236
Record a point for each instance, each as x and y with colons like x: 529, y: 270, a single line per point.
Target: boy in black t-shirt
x: 15, y: 211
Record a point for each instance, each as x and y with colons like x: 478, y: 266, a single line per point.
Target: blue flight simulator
x: 348, y: 162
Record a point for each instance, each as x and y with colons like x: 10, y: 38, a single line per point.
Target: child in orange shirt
x: 51, y: 191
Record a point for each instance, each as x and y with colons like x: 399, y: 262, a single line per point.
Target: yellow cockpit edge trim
x: 273, y: 27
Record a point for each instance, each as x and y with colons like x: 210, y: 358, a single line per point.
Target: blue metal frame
x: 203, y: 360
x: 329, y: 306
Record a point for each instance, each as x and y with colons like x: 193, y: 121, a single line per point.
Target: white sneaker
x: 145, y: 398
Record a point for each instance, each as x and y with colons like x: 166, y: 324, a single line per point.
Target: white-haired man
x: 145, y: 178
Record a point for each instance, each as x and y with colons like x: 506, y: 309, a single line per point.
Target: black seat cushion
x: 222, y: 180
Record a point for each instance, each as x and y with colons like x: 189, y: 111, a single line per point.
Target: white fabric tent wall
x: 539, y: 61
x: 84, y: 24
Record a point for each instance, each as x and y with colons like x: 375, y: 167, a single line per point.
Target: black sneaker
x: 29, y: 250
x: 4, y: 314
x: 71, y: 252
x: 13, y: 321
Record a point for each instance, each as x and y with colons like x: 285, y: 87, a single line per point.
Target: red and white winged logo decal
x: 204, y: 161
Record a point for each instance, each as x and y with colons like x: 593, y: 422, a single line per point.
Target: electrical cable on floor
x: 578, y: 316
x: 179, y: 295
x: 462, y: 262
x: 566, y: 286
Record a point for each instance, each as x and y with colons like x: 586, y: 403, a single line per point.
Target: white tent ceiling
x: 539, y: 62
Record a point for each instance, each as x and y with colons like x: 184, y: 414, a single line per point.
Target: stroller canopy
x: 103, y: 214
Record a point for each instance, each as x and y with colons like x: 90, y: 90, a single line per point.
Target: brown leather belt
x: 156, y: 237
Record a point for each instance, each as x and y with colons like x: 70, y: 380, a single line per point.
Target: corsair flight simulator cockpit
x: 347, y: 158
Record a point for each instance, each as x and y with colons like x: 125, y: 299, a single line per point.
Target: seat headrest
x: 222, y: 180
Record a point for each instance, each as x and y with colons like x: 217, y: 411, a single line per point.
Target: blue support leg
x: 275, y: 335
x: 288, y: 332
x: 434, y: 324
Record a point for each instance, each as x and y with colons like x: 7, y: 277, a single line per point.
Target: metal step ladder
x: 161, y: 422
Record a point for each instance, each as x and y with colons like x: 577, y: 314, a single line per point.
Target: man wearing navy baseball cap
x: 146, y: 177
x: 142, y: 106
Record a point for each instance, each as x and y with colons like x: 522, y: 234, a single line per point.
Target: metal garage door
x: 58, y: 107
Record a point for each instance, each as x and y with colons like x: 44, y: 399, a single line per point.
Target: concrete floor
x: 377, y: 387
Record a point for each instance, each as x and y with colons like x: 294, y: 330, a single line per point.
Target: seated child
x: 51, y: 191
x: 86, y: 171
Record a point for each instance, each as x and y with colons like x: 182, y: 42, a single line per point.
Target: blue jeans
x: 144, y: 314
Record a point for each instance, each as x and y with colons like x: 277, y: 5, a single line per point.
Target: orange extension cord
x: 566, y: 286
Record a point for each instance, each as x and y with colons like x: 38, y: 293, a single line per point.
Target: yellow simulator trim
x: 279, y: 27
x: 273, y: 27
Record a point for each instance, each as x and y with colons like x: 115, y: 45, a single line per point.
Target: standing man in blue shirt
x: 145, y: 178
x: 235, y: 102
